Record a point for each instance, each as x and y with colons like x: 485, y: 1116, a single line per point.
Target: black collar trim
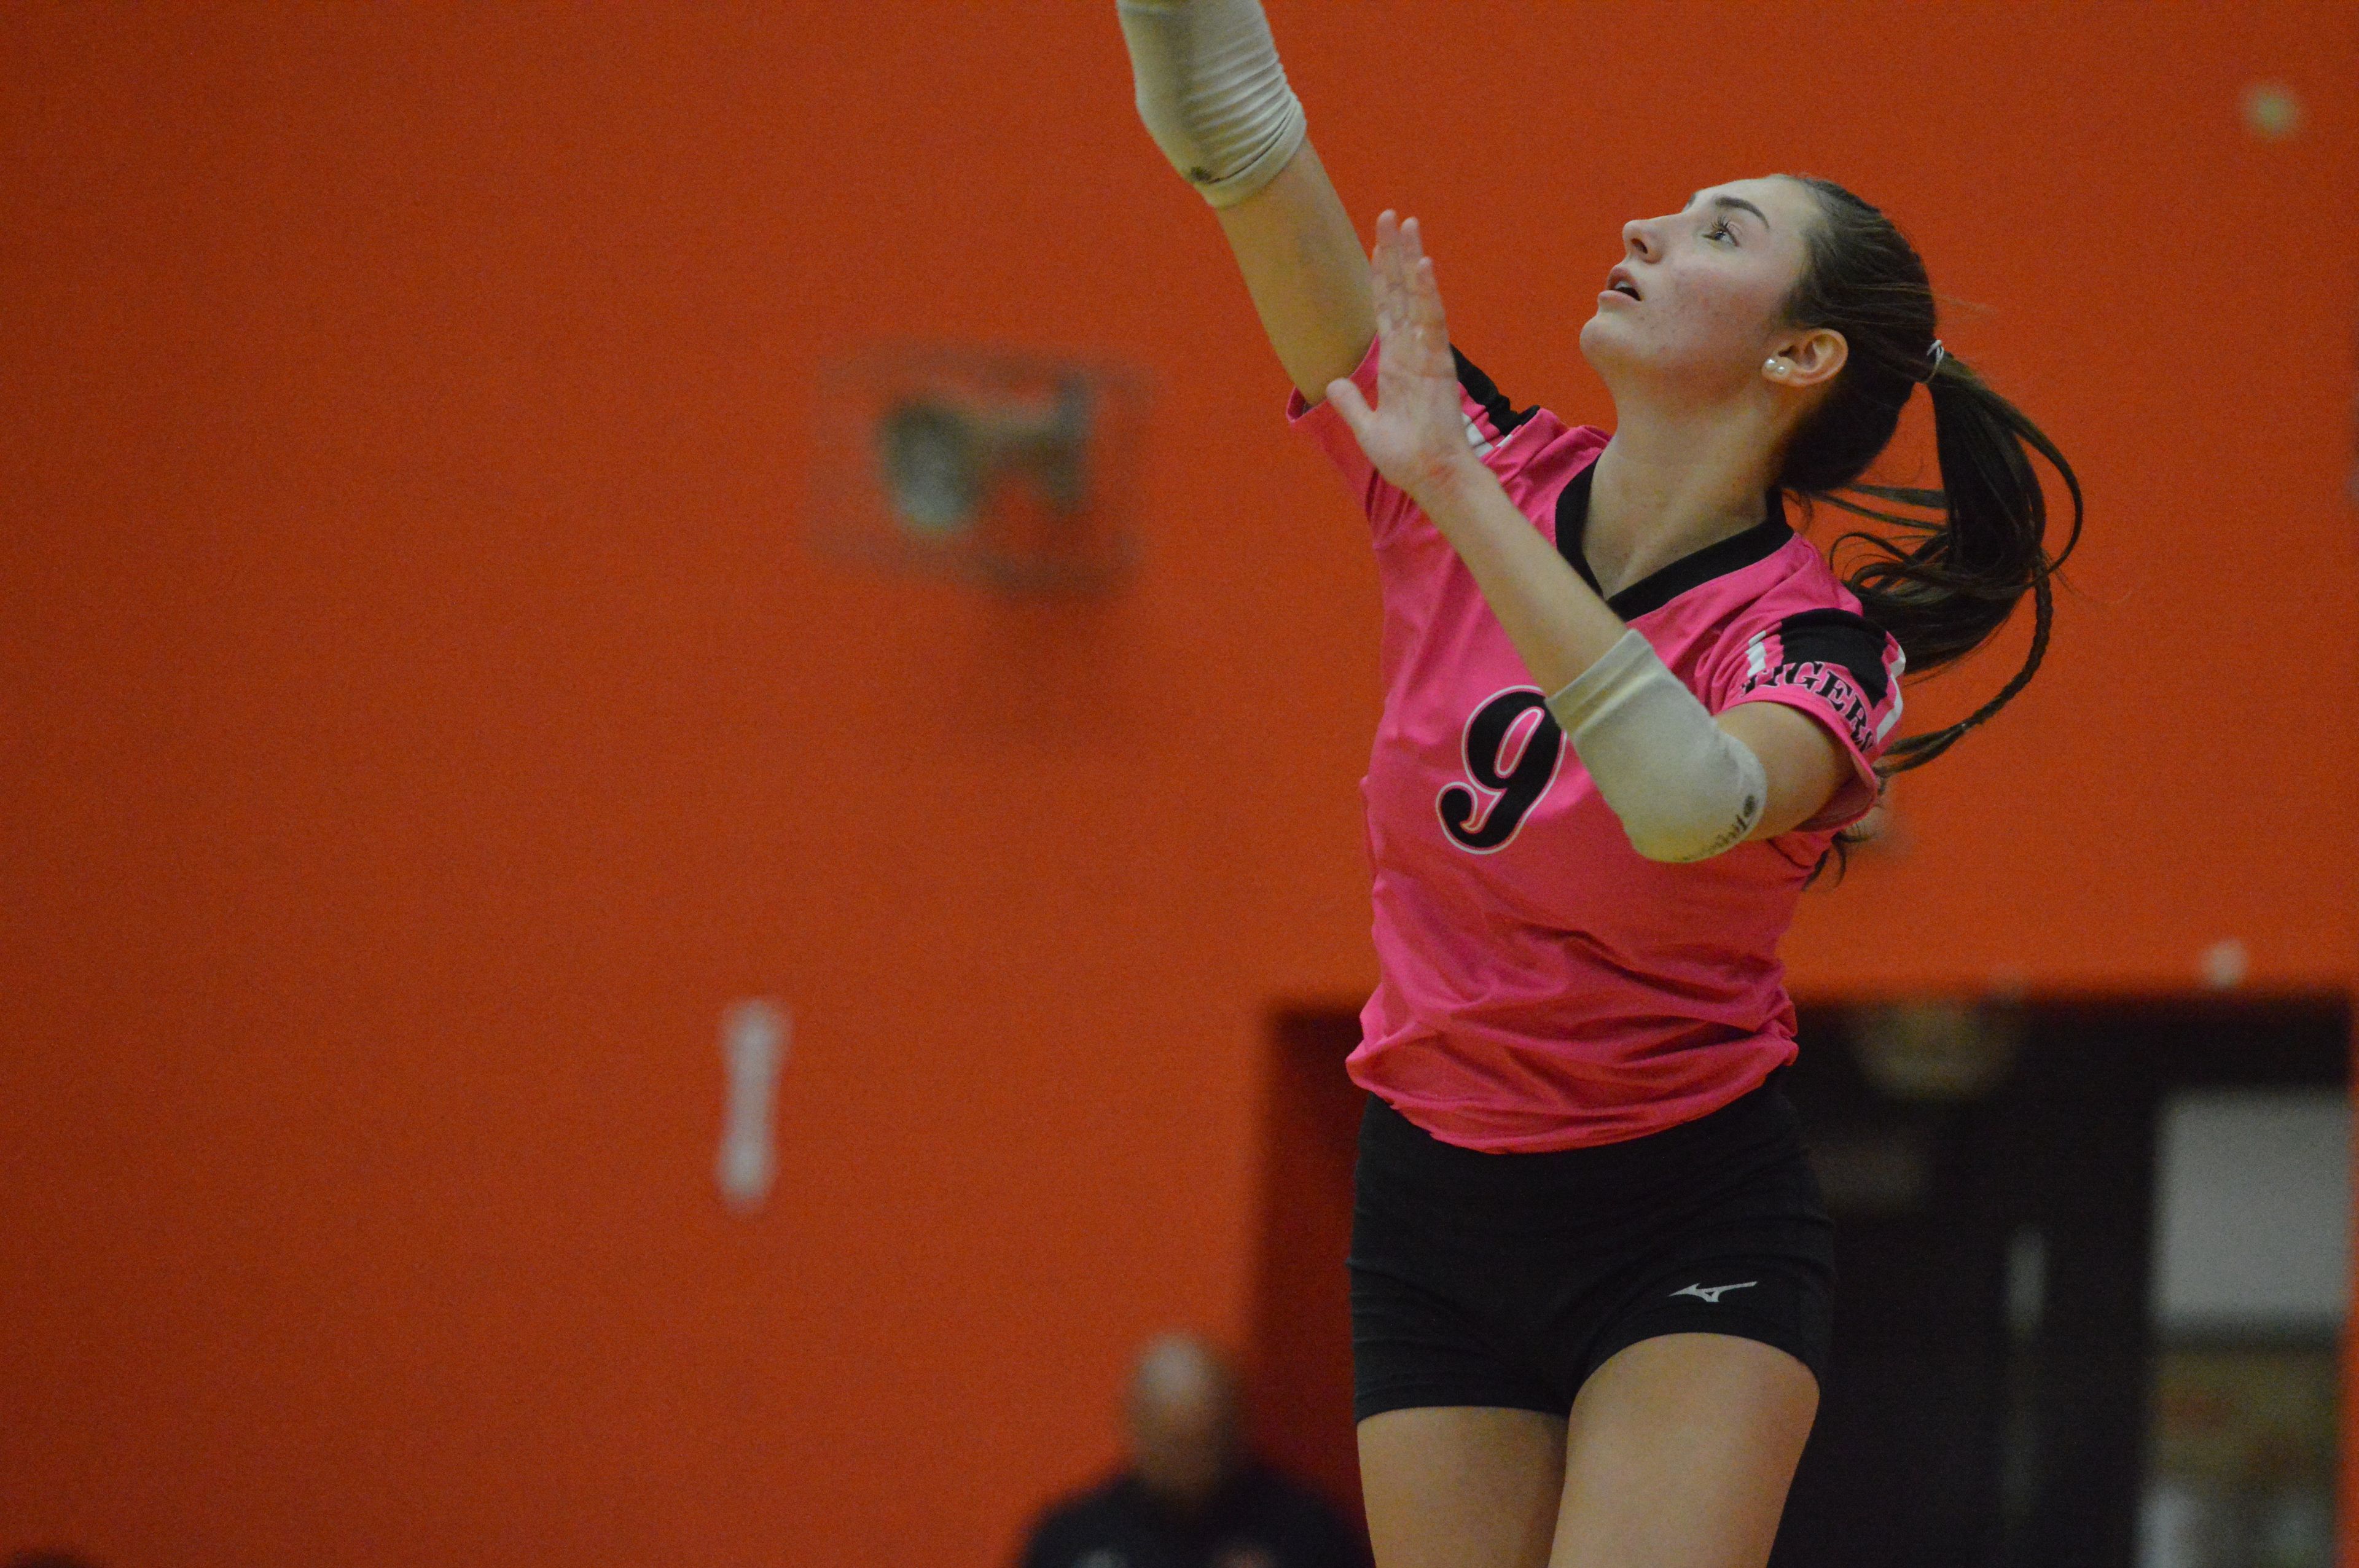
x: 1758, y: 543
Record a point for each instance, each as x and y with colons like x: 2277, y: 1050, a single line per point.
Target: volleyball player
x: 1628, y: 713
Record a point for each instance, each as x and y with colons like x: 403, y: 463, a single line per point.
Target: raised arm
x: 1306, y: 272
x: 1215, y: 99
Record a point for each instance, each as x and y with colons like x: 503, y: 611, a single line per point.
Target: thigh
x: 1680, y: 1453
x: 1462, y: 1485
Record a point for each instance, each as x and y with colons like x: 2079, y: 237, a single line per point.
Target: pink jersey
x: 1542, y: 984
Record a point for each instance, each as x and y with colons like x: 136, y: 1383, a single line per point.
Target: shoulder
x: 1297, y: 1515
x: 1274, y: 1488
x: 1827, y: 660
x: 1495, y: 424
x: 1844, y: 639
x: 1809, y: 616
x: 1074, y: 1523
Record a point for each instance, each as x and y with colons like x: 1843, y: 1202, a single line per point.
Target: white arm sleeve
x: 1211, y: 92
x: 1684, y: 788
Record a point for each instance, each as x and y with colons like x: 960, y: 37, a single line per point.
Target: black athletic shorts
x: 1505, y: 1280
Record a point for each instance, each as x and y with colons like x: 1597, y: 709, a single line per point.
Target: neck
x: 1673, y: 480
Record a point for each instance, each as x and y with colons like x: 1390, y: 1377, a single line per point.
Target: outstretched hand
x: 1416, y: 435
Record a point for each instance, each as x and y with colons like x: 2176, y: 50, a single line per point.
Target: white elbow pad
x: 1684, y: 788
x: 1211, y: 92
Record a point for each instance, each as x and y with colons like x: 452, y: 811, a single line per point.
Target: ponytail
x: 1948, y: 595
x: 1967, y: 553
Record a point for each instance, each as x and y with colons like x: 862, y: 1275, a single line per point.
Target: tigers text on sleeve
x: 1842, y: 670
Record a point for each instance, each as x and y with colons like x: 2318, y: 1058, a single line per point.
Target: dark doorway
x: 1993, y: 1171
x: 1300, y: 1359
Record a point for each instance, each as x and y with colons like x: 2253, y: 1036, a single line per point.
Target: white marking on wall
x: 753, y: 1048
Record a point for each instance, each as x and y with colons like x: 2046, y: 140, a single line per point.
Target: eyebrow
x: 1727, y: 202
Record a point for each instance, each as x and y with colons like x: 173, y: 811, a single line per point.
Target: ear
x: 1806, y: 359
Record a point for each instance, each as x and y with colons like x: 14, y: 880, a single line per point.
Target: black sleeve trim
x: 1504, y: 417
x: 1842, y: 638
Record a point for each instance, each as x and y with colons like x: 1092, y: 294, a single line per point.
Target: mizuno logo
x: 1712, y: 1293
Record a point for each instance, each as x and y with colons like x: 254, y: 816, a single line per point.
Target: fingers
x: 1344, y: 393
x: 1384, y: 276
x: 1407, y: 298
x: 1400, y: 245
x: 1425, y: 300
x: 1416, y: 283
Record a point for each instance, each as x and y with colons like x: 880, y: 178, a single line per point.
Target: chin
x: 1601, y: 346
x: 1592, y: 331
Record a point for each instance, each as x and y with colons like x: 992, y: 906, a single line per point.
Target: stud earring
x: 1774, y: 367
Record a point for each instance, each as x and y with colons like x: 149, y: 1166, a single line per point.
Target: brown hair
x: 1950, y: 580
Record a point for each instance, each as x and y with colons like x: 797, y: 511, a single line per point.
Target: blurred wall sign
x: 1015, y: 469
x: 752, y: 1049
x: 2272, y: 110
x: 1936, y: 1049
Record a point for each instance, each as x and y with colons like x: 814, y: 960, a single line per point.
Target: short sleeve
x: 1841, y: 669
x: 1489, y: 417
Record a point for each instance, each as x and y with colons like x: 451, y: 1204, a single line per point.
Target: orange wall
x: 421, y: 714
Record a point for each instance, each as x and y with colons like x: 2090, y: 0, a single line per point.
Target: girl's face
x: 1696, y: 304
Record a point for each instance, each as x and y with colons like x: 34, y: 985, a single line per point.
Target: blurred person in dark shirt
x: 1191, y: 1497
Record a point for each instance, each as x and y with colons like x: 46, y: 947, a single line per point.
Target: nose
x: 1639, y: 236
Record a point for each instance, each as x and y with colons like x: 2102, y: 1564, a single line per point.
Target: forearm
x: 1684, y: 788
x: 1305, y: 270
x: 1214, y: 97
x: 1555, y: 620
